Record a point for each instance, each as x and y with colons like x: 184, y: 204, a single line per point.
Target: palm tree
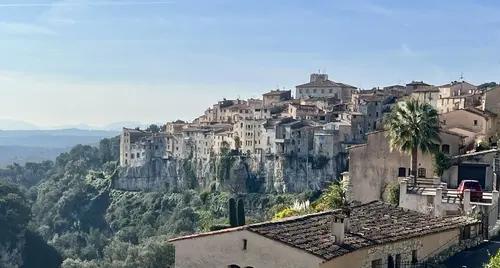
x: 412, y: 125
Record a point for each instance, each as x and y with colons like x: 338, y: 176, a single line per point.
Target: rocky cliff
x: 235, y: 173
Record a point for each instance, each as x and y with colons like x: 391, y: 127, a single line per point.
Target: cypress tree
x: 241, y: 212
x: 233, y: 218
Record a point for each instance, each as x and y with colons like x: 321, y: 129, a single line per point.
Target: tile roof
x: 325, y: 83
x: 372, y: 224
x: 417, y: 83
x: 277, y: 92
x: 485, y: 113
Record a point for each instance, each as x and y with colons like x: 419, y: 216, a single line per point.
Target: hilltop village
x: 325, y: 126
x: 327, y: 131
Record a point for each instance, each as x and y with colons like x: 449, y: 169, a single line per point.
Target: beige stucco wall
x: 465, y: 120
x: 373, y: 166
x: 221, y: 250
x: 491, y: 100
x: 426, y: 247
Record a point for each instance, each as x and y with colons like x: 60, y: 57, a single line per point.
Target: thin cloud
x: 102, y: 3
x: 24, y: 29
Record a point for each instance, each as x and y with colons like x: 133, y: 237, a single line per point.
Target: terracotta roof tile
x: 373, y: 223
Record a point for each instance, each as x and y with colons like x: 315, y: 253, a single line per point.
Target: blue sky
x: 97, y: 61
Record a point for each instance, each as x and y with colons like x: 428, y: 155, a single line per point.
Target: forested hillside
x: 69, y: 209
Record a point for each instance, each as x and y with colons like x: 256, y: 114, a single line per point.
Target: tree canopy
x: 411, y: 126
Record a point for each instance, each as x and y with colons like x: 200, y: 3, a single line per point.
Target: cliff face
x: 235, y: 174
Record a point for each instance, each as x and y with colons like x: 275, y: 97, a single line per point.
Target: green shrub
x: 494, y: 261
x: 393, y: 196
x: 332, y: 198
x: 285, y: 213
x: 442, y: 162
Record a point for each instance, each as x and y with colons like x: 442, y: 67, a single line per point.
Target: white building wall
x: 226, y: 248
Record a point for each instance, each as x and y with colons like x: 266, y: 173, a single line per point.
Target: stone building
x: 479, y: 125
x: 276, y: 96
x: 457, y: 88
x: 429, y: 95
x: 491, y: 101
x: 320, y: 86
x: 373, y: 107
x: 305, y: 112
x: 452, y: 103
x: 414, y: 85
x: 373, y: 165
x: 223, y: 139
x: 249, y: 134
x: 175, y: 127
x: 396, y: 90
x: 373, y: 235
x: 127, y: 138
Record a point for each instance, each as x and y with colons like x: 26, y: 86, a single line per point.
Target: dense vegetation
x: 494, y: 261
x: 70, y: 214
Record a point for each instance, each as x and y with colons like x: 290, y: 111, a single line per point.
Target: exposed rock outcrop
x: 240, y: 173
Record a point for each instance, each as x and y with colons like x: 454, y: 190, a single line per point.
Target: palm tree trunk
x: 414, y: 164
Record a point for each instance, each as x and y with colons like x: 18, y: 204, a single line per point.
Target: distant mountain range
x: 8, y: 124
x: 22, y: 146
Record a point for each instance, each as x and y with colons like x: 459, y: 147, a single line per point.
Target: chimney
x: 340, y: 226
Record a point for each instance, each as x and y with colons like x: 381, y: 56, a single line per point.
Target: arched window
x: 233, y: 266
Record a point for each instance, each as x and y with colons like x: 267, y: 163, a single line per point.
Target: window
x: 245, y: 243
x: 398, y: 261
x: 445, y: 148
x: 233, y: 266
x: 475, y: 122
x: 414, y: 258
x: 402, y: 172
x: 377, y: 263
x: 421, y: 172
x: 390, y: 261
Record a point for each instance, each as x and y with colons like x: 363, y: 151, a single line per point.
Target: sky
x: 98, y: 61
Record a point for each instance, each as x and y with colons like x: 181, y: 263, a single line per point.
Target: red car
x: 476, y: 192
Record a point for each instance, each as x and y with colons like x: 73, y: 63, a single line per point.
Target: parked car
x: 476, y: 192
